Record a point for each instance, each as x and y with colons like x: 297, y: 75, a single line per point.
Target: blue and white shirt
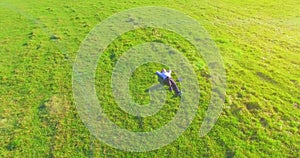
x: 164, y: 75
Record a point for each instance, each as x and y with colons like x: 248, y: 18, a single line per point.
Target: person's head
x: 163, y: 70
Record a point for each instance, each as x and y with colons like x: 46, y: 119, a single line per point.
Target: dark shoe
x: 179, y: 93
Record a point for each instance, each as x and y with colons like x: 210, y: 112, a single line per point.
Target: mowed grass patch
x: 143, y: 78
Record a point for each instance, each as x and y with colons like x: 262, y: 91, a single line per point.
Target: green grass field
x: 258, y: 40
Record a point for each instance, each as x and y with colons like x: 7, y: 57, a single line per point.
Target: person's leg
x: 174, y: 86
x: 168, y: 82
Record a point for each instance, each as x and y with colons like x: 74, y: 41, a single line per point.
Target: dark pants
x: 172, y: 85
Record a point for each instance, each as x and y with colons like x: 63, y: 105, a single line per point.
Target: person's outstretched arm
x: 161, y: 75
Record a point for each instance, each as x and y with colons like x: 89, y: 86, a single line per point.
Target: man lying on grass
x: 165, y: 78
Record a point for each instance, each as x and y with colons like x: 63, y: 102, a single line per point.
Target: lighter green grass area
x: 259, y: 42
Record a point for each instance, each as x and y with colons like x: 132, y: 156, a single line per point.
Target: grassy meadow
x: 258, y: 40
